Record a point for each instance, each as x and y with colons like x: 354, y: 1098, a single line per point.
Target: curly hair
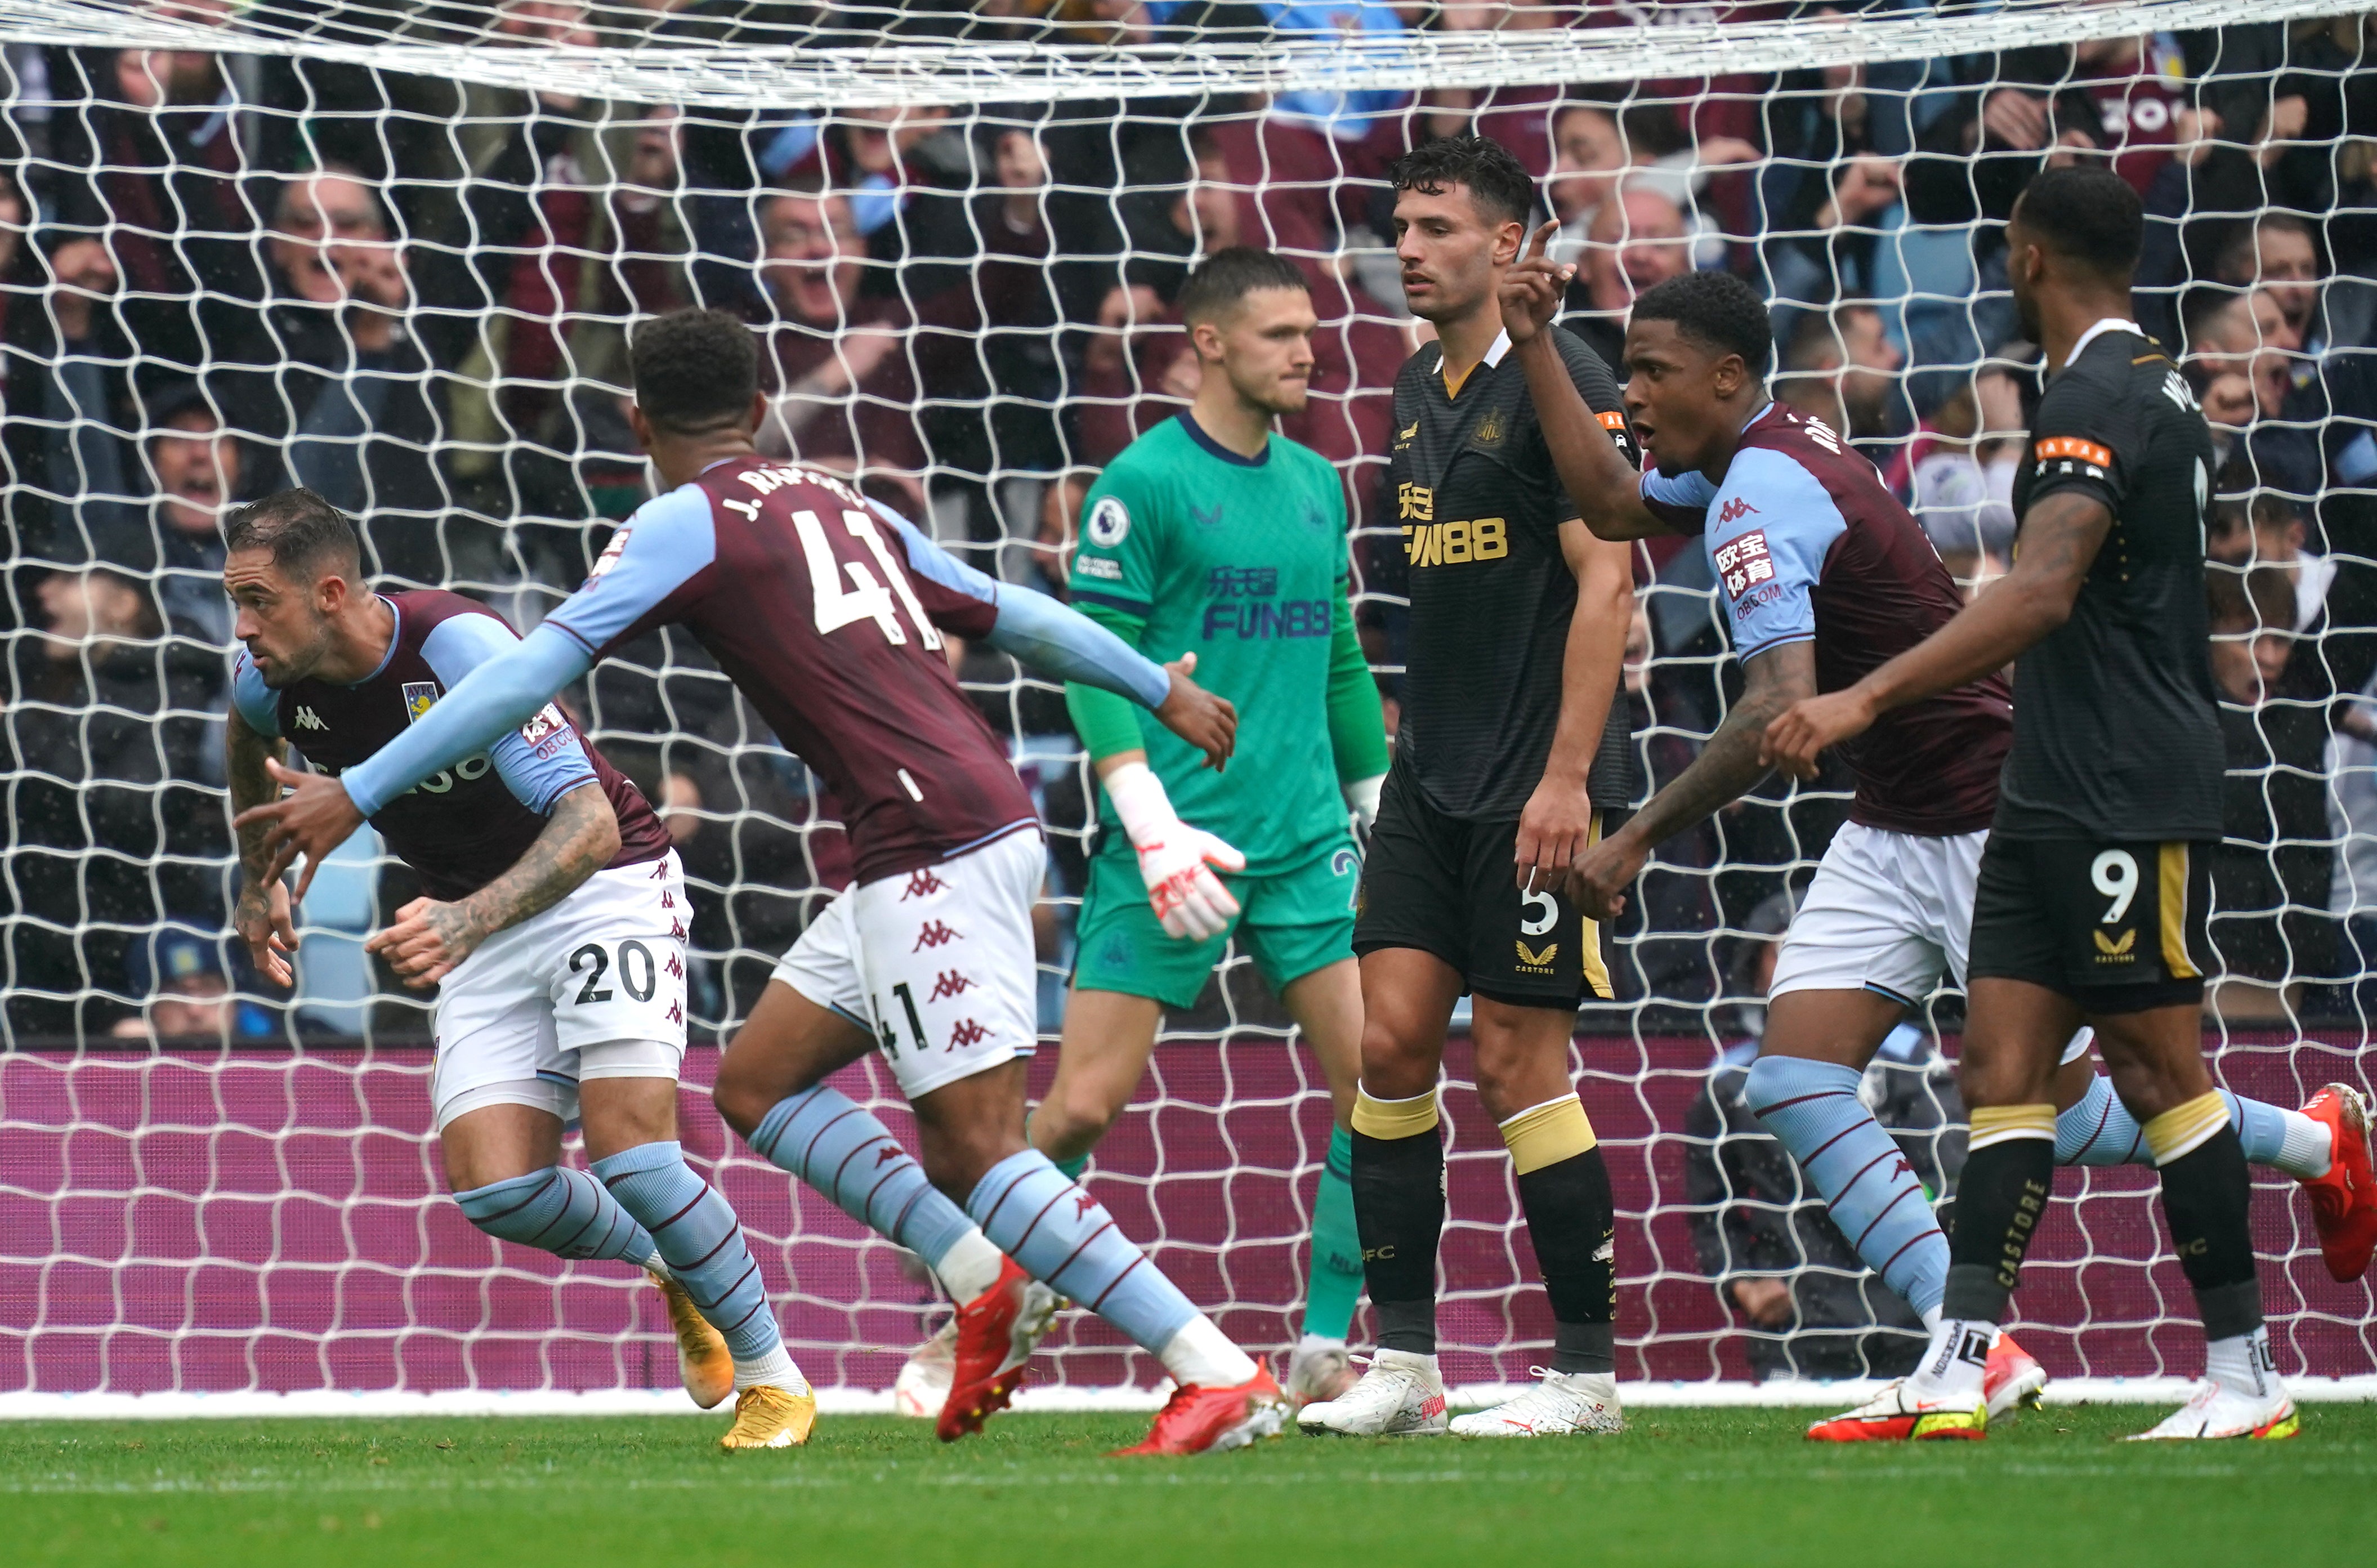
x: 1496, y: 182
x: 695, y: 370
x: 1716, y: 310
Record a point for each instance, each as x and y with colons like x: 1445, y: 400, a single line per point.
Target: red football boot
x: 2344, y: 1202
x: 1213, y: 1420
x: 2011, y: 1378
x: 996, y: 1332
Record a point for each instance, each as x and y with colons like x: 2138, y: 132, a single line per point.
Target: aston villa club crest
x: 420, y: 696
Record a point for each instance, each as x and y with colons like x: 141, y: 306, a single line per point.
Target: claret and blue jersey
x: 1806, y: 545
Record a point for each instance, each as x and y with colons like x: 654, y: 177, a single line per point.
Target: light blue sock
x: 2100, y: 1130
x: 1813, y: 1109
x: 1066, y: 1239
x: 698, y: 1233
x: 561, y: 1211
x: 839, y: 1147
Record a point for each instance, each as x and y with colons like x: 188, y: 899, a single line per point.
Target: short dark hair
x: 2088, y: 213
x: 1716, y: 310
x: 1496, y: 182
x: 1224, y: 278
x: 302, y: 531
x: 695, y: 371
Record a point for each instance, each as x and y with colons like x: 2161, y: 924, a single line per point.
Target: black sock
x: 1399, y: 1212
x: 1999, y: 1200
x: 1573, y: 1223
x: 2207, y: 1197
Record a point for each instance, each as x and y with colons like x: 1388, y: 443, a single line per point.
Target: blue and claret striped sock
x: 841, y: 1149
x: 698, y: 1233
x: 2098, y: 1130
x: 1813, y: 1109
x: 1064, y: 1239
x: 560, y: 1211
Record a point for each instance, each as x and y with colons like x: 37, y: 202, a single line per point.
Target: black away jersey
x: 1480, y: 508
x: 2116, y: 726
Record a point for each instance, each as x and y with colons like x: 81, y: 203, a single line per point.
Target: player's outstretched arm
x: 1726, y: 769
x: 430, y: 938
x: 1597, y: 475
x: 502, y: 694
x: 1557, y: 821
x: 1055, y: 640
x: 262, y: 914
x: 2060, y: 536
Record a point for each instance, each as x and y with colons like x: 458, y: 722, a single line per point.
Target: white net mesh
x: 392, y: 250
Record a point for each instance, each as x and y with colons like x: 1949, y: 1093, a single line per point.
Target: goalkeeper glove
x: 1175, y: 860
x: 1362, y: 800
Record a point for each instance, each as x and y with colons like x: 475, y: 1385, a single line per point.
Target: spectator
x: 2232, y: 332
x: 363, y: 394
x: 1637, y: 240
x: 1768, y: 1242
x: 1830, y: 175
x: 2264, y: 533
x: 188, y: 993
x: 1841, y: 367
x: 1590, y: 163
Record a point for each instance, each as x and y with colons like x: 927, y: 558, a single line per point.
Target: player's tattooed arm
x: 1726, y: 769
x: 430, y: 938
x: 2060, y: 536
x: 1557, y: 821
x: 1594, y: 472
x: 262, y: 914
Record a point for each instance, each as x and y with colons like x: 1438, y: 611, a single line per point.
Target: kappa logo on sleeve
x: 1734, y: 511
x: 1745, y: 561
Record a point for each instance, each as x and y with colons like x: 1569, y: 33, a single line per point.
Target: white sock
x: 1958, y: 1354
x: 1930, y: 1320
x: 969, y: 1267
x: 1313, y: 1344
x: 775, y: 1368
x: 1200, y: 1354
x: 2242, y: 1363
x: 2309, y: 1149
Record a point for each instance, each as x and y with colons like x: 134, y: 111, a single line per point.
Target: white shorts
x: 1890, y: 913
x: 936, y: 964
x: 592, y: 987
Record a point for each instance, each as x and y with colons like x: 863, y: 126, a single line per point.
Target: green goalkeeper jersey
x: 1188, y: 547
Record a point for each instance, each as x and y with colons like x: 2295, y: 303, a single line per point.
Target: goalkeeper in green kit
x: 1213, y: 537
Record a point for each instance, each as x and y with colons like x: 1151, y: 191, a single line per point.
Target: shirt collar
x: 395, y: 636
x: 2109, y: 324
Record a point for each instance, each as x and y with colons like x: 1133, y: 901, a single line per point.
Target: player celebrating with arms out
x: 1213, y: 532
x: 1512, y: 746
x: 817, y: 605
x: 1824, y: 577
x: 2090, y: 902
x: 555, y: 920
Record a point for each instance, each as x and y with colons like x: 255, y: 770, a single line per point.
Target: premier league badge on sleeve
x: 1109, y: 522
x: 420, y: 696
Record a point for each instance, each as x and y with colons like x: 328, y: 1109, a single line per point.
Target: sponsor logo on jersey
x: 1749, y: 602
x: 1109, y: 522
x: 547, y: 732
x: 611, y: 553
x: 1534, y: 962
x: 1734, y: 511
x: 309, y: 720
x: 2072, y: 448
x: 1254, y: 622
x: 1104, y: 566
x: 1415, y: 503
x: 1489, y: 429
x: 1745, y: 561
x: 1242, y: 583
x: 2110, y: 950
x: 1205, y: 519
x: 1452, y: 544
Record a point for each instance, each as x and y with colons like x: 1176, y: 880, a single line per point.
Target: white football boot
x: 1400, y: 1394
x: 1904, y: 1410
x: 923, y: 1385
x: 1560, y: 1404
x: 2220, y: 1410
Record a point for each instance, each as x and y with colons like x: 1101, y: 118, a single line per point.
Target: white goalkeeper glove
x: 1175, y: 860
x: 1362, y: 800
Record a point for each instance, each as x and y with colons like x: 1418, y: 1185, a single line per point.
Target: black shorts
x: 2118, y: 927
x: 1447, y: 887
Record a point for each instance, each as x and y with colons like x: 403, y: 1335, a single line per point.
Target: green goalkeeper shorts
x: 1290, y: 924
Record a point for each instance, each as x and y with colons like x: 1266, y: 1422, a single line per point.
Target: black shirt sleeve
x: 2084, y: 438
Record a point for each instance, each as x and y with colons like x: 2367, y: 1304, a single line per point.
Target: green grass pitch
x: 1730, y: 1486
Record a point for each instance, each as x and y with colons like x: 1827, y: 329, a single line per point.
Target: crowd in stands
x: 224, y: 272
